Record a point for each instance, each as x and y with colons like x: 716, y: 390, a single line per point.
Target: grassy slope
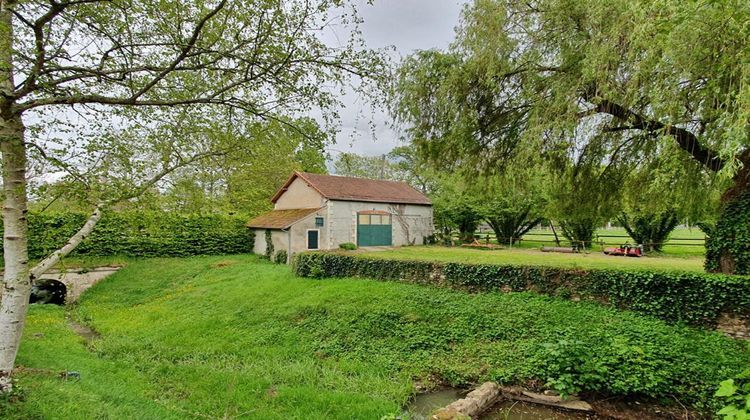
x: 516, y: 256
x: 216, y: 336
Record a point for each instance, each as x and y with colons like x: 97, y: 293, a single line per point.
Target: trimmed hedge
x: 692, y: 298
x: 141, y: 234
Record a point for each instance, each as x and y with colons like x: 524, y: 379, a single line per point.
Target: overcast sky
x: 407, y: 25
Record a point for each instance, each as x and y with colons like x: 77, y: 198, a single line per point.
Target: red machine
x: 626, y: 250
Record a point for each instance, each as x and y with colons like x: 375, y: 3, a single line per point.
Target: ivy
x: 728, y: 243
x: 691, y: 298
x: 141, y: 234
x: 269, y: 244
x: 735, y: 393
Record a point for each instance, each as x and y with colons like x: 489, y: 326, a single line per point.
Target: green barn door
x: 374, y: 230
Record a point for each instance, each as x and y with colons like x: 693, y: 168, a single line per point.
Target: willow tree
x: 624, y: 79
x: 67, y: 63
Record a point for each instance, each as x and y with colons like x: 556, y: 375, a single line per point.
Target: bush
x: 693, y: 298
x: 580, y: 231
x: 348, y: 246
x: 280, y: 257
x: 735, y: 393
x: 141, y: 234
x: 649, y: 229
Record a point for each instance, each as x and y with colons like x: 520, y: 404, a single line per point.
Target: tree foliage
x: 649, y: 229
x: 88, y: 85
x: 514, y: 201
x: 243, y: 179
x: 618, y: 82
x: 400, y: 164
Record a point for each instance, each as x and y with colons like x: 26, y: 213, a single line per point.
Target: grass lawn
x: 682, y: 241
x: 238, y: 337
x: 523, y: 256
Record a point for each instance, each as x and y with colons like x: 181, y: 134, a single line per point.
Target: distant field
x: 682, y: 242
x: 521, y: 256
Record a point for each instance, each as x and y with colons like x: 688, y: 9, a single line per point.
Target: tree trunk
x: 17, y: 283
x: 69, y: 246
x: 728, y: 243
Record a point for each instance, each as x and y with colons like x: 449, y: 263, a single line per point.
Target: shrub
x: 429, y: 240
x: 693, y: 298
x: 510, y: 224
x: 269, y: 244
x: 580, y: 231
x: 651, y: 230
x: 280, y: 257
x: 735, y: 393
x: 141, y: 234
x: 570, y: 367
x: 348, y: 246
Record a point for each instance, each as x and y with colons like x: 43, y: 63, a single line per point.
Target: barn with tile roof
x: 316, y: 211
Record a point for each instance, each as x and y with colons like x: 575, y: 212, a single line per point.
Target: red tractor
x: 625, y: 250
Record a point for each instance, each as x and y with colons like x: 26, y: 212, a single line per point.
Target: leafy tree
x: 362, y: 166
x: 621, y: 80
x: 400, y: 164
x: 243, y: 179
x: 660, y: 192
x: 513, y: 201
x: 78, y: 75
x: 649, y: 229
x: 456, y: 207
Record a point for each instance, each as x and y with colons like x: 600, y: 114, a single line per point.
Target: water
x: 424, y: 404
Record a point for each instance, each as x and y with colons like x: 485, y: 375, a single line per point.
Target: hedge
x: 141, y: 234
x: 692, y: 298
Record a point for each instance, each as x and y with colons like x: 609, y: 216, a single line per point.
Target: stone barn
x: 314, y: 211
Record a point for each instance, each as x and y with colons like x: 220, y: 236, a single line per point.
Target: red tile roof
x: 358, y: 189
x: 279, y: 219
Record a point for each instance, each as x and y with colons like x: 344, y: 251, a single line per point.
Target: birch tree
x: 62, y: 58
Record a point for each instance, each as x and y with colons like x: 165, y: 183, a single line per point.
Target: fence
x: 541, y: 236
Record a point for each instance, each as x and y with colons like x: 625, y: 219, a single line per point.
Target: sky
x: 408, y: 26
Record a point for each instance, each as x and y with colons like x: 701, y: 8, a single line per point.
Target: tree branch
x: 685, y: 139
x: 184, y: 53
x: 51, y: 260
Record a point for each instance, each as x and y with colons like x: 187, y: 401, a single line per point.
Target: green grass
x: 86, y: 262
x: 682, y: 241
x: 523, y: 256
x: 238, y: 337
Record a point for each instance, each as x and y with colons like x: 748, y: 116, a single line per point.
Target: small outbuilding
x: 315, y: 211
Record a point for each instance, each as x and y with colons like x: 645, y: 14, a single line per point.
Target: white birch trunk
x: 69, y: 246
x: 16, y: 281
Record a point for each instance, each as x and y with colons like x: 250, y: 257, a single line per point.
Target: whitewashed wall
x: 416, y: 221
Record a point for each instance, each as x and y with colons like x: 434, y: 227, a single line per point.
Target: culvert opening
x: 48, y: 291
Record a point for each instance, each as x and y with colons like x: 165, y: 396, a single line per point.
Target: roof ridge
x: 356, y: 177
x: 337, y: 187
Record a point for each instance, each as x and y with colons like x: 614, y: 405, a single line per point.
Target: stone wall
x: 733, y: 325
